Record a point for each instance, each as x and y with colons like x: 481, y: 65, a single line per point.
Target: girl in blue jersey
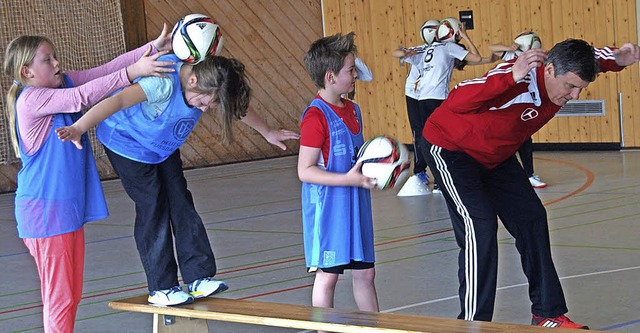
x: 336, y: 202
x: 142, y: 142
x: 59, y: 189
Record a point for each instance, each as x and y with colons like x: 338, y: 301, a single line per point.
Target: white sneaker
x: 536, y: 182
x: 205, y: 287
x: 171, y: 296
x: 413, y: 186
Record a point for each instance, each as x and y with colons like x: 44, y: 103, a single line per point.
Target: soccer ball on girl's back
x: 195, y: 37
x: 386, y: 159
x: 449, y: 30
x: 428, y: 31
x: 527, y: 40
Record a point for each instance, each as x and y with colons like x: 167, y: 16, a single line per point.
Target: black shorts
x: 340, y: 269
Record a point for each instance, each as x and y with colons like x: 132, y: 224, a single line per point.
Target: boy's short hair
x: 328, y: 54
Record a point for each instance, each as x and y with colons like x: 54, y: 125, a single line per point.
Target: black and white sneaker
x: 206, y: 287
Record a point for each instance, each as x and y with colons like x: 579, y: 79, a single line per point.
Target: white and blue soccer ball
x: 195, y: 37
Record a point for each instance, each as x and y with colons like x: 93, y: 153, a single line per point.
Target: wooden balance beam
x: 193, y: 318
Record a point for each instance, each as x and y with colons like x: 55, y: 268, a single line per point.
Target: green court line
x: 416, y: 256
x: 589, y: 203
x: 274, y: 232
x: 253, y: 205
x: 113, y: 276
x: 421, y: 242
x: 597, y: 247
x: 259, y: 251
x: 633, y: 216
x: 585, y: 212
x: 262, y: 262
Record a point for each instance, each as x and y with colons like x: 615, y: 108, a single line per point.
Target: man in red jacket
x: 469, y: 144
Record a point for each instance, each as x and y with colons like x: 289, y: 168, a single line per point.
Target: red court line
x: 278, y: 291
x: 587, y: 183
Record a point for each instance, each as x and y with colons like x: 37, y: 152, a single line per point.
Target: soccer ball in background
x: 428, y: 31
x: 386, y: 159
x: 195, y: 37
x: 449, y: 30
x: 527, y: 40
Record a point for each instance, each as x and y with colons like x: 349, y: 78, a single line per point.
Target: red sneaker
x: 561, y: 321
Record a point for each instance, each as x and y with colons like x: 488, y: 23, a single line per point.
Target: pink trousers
x: 60, y: 261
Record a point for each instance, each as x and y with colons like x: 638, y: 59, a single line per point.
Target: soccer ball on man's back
x: 386, y: 159
x: 449, y: 30
x: 527, y: 40
x: 195, y: 37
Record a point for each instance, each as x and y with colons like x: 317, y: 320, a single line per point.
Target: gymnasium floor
x: 252, y: 213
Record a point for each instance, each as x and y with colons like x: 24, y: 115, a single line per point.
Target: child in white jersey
x: 434, y: 64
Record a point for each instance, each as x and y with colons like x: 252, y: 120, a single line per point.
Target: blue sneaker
x: 423, y: 177
x: 206, y: 287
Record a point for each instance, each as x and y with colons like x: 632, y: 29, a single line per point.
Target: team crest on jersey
x: 529, y: 114
x: 183, y: 127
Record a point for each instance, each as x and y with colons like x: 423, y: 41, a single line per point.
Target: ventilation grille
x: 582, y: 108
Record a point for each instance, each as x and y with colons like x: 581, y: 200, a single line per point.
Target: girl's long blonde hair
x: 20, y: 52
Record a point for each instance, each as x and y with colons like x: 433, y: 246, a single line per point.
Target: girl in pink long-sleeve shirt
x: 59, y: 189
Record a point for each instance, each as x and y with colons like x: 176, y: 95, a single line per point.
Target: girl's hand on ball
x: 149, y: 65
x: 163, y: 42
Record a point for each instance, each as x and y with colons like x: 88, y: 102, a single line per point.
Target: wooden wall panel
x: 625, y: 23
x: 269, y: 36
x: 382, y: 25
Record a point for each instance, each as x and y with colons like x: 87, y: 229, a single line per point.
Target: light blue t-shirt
x: 158, y: 91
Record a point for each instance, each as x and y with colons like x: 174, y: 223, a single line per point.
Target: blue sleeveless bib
x: 337, y: 220
x: 131, y: 134
x: 59, y: 188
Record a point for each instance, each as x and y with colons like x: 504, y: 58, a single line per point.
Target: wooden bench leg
x: 173, y: 324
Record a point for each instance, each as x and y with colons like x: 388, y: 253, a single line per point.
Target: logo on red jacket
x: 529, y: 114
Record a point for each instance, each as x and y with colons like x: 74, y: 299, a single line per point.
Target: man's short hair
x: 575, y: 56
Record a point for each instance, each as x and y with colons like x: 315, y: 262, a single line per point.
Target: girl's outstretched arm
x: 126, y: 98
x: 273, y: 136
